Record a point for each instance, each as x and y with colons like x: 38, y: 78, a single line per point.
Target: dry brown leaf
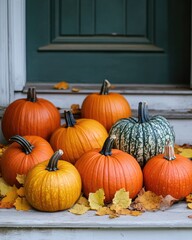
x: 189, y: 205
x: 61, y: 85
x: 75, y: 89
x: 167, y: 202
x: 147, y: 201
x: 21, y: 204
x: 83, y: 201
x: 75, y: 109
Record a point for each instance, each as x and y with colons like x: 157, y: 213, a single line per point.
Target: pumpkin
x: 168, y: 174
x: 110, y: 169
x: 22, y: 154
x: 105, y: 107
x: 30, y: 116
x: 143, y: 137
x: 75, y: 137
x: 53, y: 185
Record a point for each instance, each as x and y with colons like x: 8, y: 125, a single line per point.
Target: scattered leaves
x: 96, y: 200
x: 21, y: 178
x: 79, y: 209
x: 75, y: 89
x: 184, y: 150
x: 189, y: 198
x: 22, y: 204
x: 4, y: 187
x: 122, y: 199
x: 61, y: 85
x: 75, y: 109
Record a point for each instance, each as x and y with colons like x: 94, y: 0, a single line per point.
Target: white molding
x: 12, y: 49
x: 4, y: 70
x: 17, y: 45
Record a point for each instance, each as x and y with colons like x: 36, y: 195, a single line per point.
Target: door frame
x: 13, y: 49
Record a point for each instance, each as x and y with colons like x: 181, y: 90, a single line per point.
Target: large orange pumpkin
x: 110, y: 169
x: 168, y: 174
x: 105, y: 107
x: 22, y: 154
x: 30, y: 116
x: 77, y: 136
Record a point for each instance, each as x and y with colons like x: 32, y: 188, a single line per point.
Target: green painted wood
x: 51, y: 25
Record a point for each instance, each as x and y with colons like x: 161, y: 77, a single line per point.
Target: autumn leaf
x: 167, y: 202
x: 83, y: 201
x: 11, y: 196
x: 122, y: 199
x: 147, y: 201
x: 184, y: 150
x: 21, y: 192
x: 21, y: 178
x: 189, y: 198
x: 189, y: 205
x: 96, y: 200
x: 4, y: 187
x: 106, y: 211
x: 61, y: 85
x: 6, y: 205
x: 79, y: 209
x: 21, y: 204
x: 75, y: 89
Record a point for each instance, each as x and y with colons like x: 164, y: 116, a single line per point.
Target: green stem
x: 69, y: 119
x: 143, y: 115
x: 53, y: 162
x: 105, y: 87
x: 107, y: 146
x: 27, y: 147
x: 31, y: 94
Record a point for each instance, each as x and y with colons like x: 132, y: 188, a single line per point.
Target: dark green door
x: 125, y: 41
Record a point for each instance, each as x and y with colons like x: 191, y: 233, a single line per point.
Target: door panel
x: 126, y: 41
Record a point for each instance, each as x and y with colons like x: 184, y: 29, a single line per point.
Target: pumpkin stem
x: 143, y: 114
x: 107, y: 146
x: 52, y: 165
x: 169, y: 153
x: 27, y: 147
x: 31, y: 94
x: 105, y: 87
x: 69, y: 119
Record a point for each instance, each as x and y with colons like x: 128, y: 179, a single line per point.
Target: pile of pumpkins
x: 105, y: 148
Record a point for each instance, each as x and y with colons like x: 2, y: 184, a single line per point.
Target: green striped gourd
x: 143, y: 137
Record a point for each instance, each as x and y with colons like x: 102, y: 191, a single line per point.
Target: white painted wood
x: 17, y: 44
x: 12, y: 49
x: 4, y: 69
x: 169, y: 224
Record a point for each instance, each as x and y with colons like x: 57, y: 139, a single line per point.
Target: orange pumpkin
x: 110, y: 169
x: 105, y: 107
x: 30, y: 116
x: 22, y: 154
x: 77, y: 136
x: 168, y: 174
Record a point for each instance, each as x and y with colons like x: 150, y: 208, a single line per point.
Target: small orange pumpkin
x: 30, y: 116
x: 105, y: 107
x: 77, y: 136
x: 21, y: 155
x: 110, y: 169
x: 168, y: 174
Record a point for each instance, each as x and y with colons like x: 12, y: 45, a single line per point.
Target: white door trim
x: 12, y: 49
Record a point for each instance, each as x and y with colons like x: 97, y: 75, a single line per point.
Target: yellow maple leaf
x: 61, y: 85
x: 96, y: 200
x: 21, y: 178
x: 22, y: 204
x: 185, y: 152
x: 189, y: 198
x: 189, y: 205
x: 11, y: 196
x: 83, y: 201
x: 79, y: 209
x: 21, y: 192
x: 122, y: 199
x: 4, y: 187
